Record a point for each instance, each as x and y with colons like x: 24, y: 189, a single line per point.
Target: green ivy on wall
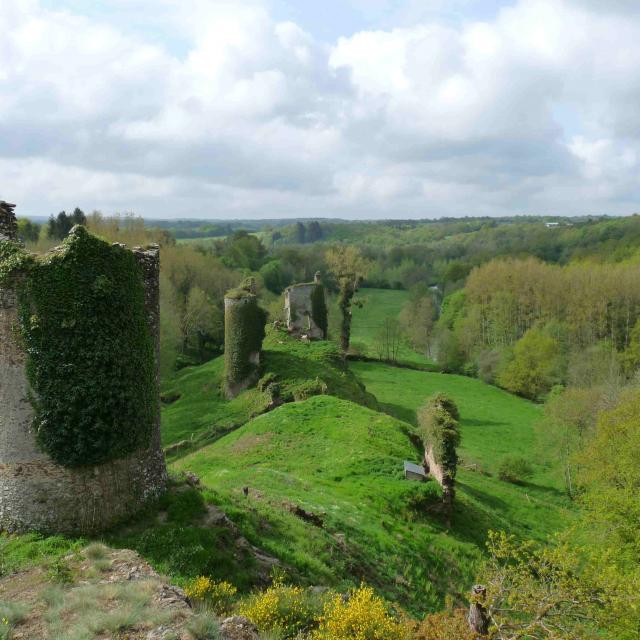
x: 438, y: 422
x: 90, y: 352
x: 319, y: 309
x: 244, y: 323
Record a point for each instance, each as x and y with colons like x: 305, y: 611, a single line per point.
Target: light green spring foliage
x: 535, y: 366
x: 610, y: 475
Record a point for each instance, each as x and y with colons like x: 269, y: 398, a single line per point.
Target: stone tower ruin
x: 8, y: 223
x: 244, y: 332
x: 39, y: 487
x: 306, y: 309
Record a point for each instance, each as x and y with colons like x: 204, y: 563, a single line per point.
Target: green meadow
x: 374, y: 306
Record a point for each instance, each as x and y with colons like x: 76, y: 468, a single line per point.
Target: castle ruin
x: 244, y: 332
x: 45, y: 484
x: 306, y: 309
x: 8, y: 223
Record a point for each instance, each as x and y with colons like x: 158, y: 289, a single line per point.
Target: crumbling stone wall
x: 244, y: 332
x: 306, y: 309
x: 8, y: 223
x: 438, y: 422
x: 38, y: 493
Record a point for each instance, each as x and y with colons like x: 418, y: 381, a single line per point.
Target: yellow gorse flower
x: 364, y: 616
x: 219, y: 594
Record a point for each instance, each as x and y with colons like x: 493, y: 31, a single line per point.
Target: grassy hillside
x: 342, y: 462
x: 377, y: 305
x: 494, y: 424
x: 331, y: 457
x: 202, y: 411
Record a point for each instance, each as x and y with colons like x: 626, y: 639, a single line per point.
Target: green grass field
x: 377, y: 305
x: 342, y: 461
x: 494, y: 424
x: 330, y: 456
x: 202, y: 410
x: 340, y: 457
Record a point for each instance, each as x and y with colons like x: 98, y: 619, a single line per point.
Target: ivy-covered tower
x: 244, y: 331
x: 79, y: 401
x: 306, y: 309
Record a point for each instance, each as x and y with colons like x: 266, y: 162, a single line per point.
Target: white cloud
x: 535, y: 109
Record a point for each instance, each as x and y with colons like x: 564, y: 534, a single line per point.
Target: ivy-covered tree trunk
x: 347, y: 291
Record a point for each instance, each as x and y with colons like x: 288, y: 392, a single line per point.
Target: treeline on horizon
x: 472, y: 313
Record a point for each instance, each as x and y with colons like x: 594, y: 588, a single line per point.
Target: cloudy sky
x: 339, y: 108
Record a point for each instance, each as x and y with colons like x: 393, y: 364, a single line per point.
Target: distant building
x: 414, y: 471
x: 551, y: 225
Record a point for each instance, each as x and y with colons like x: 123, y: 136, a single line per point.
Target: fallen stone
x: 238, y: 628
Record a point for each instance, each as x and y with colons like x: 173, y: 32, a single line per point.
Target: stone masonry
x: 8, y: 224
x: 37, y: 493
x: 298, y: 308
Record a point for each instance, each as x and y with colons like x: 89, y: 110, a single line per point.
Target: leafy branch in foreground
x: 537, y: 592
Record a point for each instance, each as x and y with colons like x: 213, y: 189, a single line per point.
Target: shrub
x: 60, y: 571
x: 218, y: 596
x: 309, y: 389
x: 535, y: 366
x: 204, y: 626
x: 96, y: 551
x: 364, y: 616
x: 283, y: 609
x: 514, y: 469
x: 488, y: 363
x: 445, y: 625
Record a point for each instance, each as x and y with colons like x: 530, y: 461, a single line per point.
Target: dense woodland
x: 550, y: 313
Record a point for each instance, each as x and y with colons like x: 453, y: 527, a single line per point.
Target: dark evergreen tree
x: 300, y: 233
x: 314, y: 232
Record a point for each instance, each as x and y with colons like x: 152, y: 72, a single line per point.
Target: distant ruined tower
x: 8, y: 224
x: 244, y: 332
x: 306, y: 309
x: 58, y: 474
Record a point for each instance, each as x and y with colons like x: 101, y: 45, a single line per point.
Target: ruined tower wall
x: 244, y: 322
x: 37, y: 493
x: 8, y: 224
x: 300, y: 311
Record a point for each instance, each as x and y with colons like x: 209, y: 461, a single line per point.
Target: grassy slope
x: 203, y: 411
x: 494, y: 423
x: 377, y: 305
x: 334, y: 457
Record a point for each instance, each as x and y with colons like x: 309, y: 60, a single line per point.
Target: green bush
x: 514, y: 469
x: 535, y: 366
x: 204, y: 626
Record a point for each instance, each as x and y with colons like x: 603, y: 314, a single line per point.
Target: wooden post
x: 478, y: 619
